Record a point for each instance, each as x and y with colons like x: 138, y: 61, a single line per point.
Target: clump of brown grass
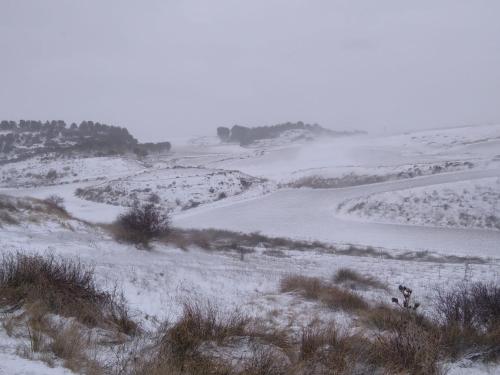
x: 408, y: 347
x: 354, y: 280
x: 61, y: 286
x: 55, y: 203
x: 216, y: 239
x: 72, y: 344
x: 265, y: 362
x: 327, y: 350
x: 180, y: 348
x: 66, y: 340
x: 406, y: 340
x: 317, y: 289
x: 202, y: 322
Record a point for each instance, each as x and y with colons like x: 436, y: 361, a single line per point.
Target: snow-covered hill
x: 177, y: 188
x: 464, y: 204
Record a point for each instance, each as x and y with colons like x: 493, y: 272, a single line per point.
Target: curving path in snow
x: 310, y: 214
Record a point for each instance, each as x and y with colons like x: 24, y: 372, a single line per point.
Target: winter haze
x: 249, y: 187
x: 164, y: 68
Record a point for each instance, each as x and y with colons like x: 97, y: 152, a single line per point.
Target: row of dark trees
x: 34, y: 137
x: 245, y: 135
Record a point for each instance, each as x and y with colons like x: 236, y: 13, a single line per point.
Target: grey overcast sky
x: 174, y: 68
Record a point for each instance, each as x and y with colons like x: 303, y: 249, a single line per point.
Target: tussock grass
x: 180, y: 348
x: 408, y: 348
x: 354, y: 280
x: 61, y: 286
x: 328, y: 294
x: 327, y: 350
x: 200, y: 323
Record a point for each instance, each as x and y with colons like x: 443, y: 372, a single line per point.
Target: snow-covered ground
x: 40, y: 171
x: 155, y: 283
x: 464, y: 204
x: 178, y: 188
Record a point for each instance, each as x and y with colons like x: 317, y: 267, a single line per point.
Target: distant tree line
x: 27, y: 138
x: 245, y: 135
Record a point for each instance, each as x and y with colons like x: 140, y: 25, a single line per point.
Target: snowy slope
x: 176, y: 188
x: 50, y: 170
x: 156, y: 283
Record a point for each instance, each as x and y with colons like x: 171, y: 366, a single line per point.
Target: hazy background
x: 174, y: 68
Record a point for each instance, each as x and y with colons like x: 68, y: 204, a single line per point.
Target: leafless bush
x: 475, y: 306
x: 142, y: 223
x: 470, y: 318
x: 355, y: 280
x: 55, y: 202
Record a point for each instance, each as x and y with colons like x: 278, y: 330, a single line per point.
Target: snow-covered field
x: 248, y: 189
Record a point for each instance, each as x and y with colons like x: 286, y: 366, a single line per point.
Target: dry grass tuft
x: 354, y: 280
x: 202, y: 322
x: 330, y: 295
x: 72, y: 344
x: 326, y: 350
x: 408, y: 348
x: 59, y: 286
x: 215, y: 239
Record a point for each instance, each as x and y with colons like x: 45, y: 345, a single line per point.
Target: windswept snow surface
x: 312, y: 214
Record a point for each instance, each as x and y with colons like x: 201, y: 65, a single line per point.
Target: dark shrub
x: 51, y: 174
x: 55, y: 202
x: 142, y: 223
x: 470, y: 318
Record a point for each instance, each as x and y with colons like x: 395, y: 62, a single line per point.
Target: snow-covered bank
x: 466, y: 204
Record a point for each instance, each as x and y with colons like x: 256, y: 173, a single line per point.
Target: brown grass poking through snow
x: 60, y: 286
x: 202, y: 322
x: 317, y: 289
x: 326, y: 350
x: 354, y: 280
x: 408, y: 348
x: 216, y: 239
x: 182, y: 347
x: 72, y: 344
x: 405, y: 341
